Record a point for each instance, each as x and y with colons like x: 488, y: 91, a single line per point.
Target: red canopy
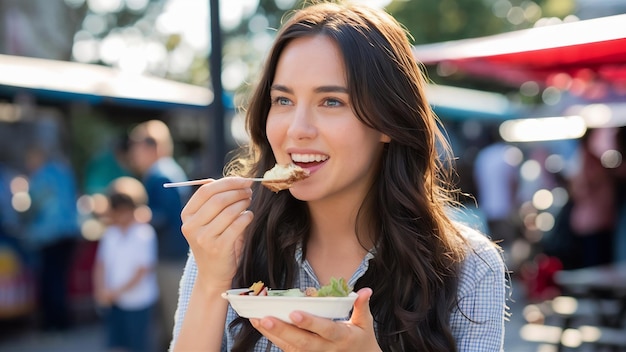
x: 590, y: 50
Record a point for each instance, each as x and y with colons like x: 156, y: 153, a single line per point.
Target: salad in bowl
x: 332, y: 301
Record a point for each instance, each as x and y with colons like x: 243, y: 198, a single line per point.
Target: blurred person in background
x: 496, y: 173
x: 52, y: 232
x: 151, y: 151
x: 583, y: 231
x: 124, y: 276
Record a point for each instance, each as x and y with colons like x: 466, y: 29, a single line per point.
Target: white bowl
x: 280, y: 306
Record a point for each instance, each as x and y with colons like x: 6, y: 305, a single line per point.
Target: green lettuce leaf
x: 336, y: 288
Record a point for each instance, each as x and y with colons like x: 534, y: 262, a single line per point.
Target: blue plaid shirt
x: 477, y: 324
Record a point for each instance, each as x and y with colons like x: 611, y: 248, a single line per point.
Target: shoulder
x: 477, y: 241
x: 477, y: 322
x: 482, y: 256
x: 109, y: 240
x: 169, y: 168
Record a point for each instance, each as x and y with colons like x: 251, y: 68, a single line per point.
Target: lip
x: 312, y: 167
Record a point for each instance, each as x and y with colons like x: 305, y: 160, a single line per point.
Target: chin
x: 304, y: 194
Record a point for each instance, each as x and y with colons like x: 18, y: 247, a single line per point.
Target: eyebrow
x: 322, y: 89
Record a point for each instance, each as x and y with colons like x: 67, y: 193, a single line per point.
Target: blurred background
x: 531, y: 93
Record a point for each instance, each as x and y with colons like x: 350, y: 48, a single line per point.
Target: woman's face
x: 312, y: 123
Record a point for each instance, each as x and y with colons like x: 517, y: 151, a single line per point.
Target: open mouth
x: 309, y: 161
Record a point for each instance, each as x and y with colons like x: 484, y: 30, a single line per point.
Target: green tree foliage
x: 431, y: 21
x: 435, y: 21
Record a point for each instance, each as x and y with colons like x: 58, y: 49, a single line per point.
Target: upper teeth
x: 307, y: 158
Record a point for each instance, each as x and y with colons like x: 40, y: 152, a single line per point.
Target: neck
x: 333, y: 249
x: 334, y: 224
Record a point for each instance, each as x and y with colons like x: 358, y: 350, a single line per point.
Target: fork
x: 207, y: 180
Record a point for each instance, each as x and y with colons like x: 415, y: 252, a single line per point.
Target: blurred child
x: 124, y: 277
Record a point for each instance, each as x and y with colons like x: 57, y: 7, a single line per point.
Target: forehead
x: 311, y: 59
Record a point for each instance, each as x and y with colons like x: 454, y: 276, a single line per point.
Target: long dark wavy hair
x: 414, y: 274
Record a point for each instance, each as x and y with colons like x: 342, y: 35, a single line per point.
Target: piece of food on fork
x: 282, y: 177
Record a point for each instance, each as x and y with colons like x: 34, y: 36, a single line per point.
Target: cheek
x: 275, y: 132
x: 354, y: 136
x: 363, y: 148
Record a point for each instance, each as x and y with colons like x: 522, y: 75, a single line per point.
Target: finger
x: 196, y: 200
x: 221, y: 234
x: 208, y: 190
x: 234, y: 232
x: 216, y: 204
x: 361, y: 317
x: 273, y: 329
x: 325, y: 328
x: 214, y: 197
x: 361, y: 314
x: 332, y: 331
x: 221, y: 215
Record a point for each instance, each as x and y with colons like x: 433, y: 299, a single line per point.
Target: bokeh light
x: 542, y: 199
x: 513, y: 156
x: 143, y: 214
x: 530, y: 170
x: 100, y: 204
x: 551, y: 96
x: 611, y: 159
x: 544, y: 222
x: 105, y: 6
x: 560, y: 196
x: 137, y: 5
x: 92, y: 229
x: 21, y: 201
x: 554, y: 163
x: 529, y: 89
x: 85, y: 205
x: 19, y: 184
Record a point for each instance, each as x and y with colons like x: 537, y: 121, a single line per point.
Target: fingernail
x: 296, y: 317
x: 267, y: 324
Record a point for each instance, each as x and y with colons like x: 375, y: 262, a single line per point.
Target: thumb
x: 361, y: 315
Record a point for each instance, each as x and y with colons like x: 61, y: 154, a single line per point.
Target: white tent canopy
x: 95, y: 83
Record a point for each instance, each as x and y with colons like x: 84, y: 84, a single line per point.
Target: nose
x: 302, y: 124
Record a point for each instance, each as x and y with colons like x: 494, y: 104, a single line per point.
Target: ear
x: 385, y: 138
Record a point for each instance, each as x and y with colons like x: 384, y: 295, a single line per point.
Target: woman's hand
x: 310, y: 333
x: 213, y: 223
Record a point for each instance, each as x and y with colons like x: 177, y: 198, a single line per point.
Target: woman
x: 341, y: 96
